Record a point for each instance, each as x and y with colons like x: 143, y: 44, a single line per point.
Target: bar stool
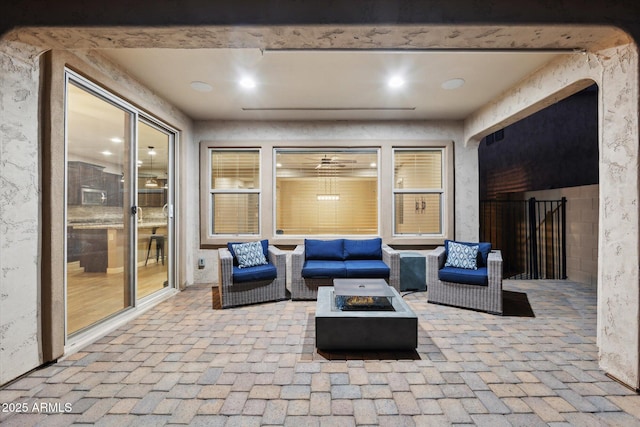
x: 159, y: 239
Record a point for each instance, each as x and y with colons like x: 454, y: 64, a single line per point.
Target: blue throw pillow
x: 249, y: 254
x: 483, y: 250
x: 324, y: 249
x: 462, y: 256
x: 265, y: 250
x: 363, y: 248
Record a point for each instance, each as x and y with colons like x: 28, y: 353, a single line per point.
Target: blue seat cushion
x: 324, y: 249
x: 483, y: 251
x: 367, y: 268
x: 265, y: 250
x: 317, y: 268
x: 363, y: 249
x: 464, y: 275
x: 253, y: 274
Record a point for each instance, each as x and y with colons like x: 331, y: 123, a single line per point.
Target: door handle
x: 134, y: 210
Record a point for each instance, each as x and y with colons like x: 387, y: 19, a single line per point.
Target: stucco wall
x: 19, y: 211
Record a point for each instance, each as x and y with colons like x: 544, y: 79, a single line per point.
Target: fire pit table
x: 364, y: 314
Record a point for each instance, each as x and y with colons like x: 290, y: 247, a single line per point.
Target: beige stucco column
x: 619, y: 239
x: 20, y: 210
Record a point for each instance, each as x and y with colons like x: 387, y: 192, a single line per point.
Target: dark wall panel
x: 554, y: 148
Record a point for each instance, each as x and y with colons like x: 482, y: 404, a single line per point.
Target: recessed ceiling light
x: 396, y: 82
x: 201, y: 86
x: 373, y: 164
x: 247, y: 83
x: 453, y: 84
x: 117, y: 140
x: 106, y: 153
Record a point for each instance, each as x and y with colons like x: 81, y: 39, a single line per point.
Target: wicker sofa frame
x: 476, y: 297
x: 233, y: 295
x: 307, y: 288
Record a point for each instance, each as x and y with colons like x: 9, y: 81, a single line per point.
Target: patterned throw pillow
x: 249, y: 254
x: 462, y: 256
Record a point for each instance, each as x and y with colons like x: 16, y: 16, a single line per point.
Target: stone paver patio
x: 184, y: 363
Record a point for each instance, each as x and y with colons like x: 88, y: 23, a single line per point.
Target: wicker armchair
x: 307, y: 288
x: 251, y: 292
x: 473, y: 296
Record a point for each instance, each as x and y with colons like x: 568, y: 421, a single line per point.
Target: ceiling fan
x: 333, y: 162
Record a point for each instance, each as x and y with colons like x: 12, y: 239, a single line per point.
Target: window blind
x: 418, y: 191
x: 327, y: 193
x: 235, y: 191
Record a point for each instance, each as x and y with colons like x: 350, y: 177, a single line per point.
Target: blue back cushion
x: 324, y: 249
x: 265, y: 250
x: 483, y: 250
x: 363, y: 249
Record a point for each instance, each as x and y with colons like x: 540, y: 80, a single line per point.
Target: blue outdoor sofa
x: 318, y: 262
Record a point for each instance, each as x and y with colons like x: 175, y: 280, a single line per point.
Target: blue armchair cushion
x: 319, y: 268
x: 249, y: 254
x: 265, y: 250
x: 324, y: 249
x: 363, y: 249
x: 367, y: 269
x: 464, y: 275
x: 483, y: 251
x: 254, y: 274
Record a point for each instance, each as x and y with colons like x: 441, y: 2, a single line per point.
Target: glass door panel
x: 99, y: 134
x: 153, y: 246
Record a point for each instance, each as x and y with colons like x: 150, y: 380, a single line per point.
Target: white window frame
x: 329, y: 149
x: 211, y: 192
x: 440, y: 191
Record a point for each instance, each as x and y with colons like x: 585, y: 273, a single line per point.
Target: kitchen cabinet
x: 82, y: 174
x: 113, y: 186
x: 89, y: 247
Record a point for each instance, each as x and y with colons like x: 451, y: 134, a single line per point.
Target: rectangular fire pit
x: 364, y: 314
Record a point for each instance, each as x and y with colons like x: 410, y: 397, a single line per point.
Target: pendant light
x: 151, y: 182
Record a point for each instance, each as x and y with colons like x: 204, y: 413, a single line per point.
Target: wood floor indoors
x: 92, y: 297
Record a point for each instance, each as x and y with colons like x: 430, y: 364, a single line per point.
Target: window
x: 235, y: 191
x: 418, y: 191
x: 327, y: 192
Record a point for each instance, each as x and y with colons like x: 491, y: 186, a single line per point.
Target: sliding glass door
x: 154, y: 207
x: 118, y: 206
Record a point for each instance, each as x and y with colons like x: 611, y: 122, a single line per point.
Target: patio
x: 184, y: 363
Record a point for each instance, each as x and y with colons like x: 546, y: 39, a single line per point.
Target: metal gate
x: 531, y: 235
